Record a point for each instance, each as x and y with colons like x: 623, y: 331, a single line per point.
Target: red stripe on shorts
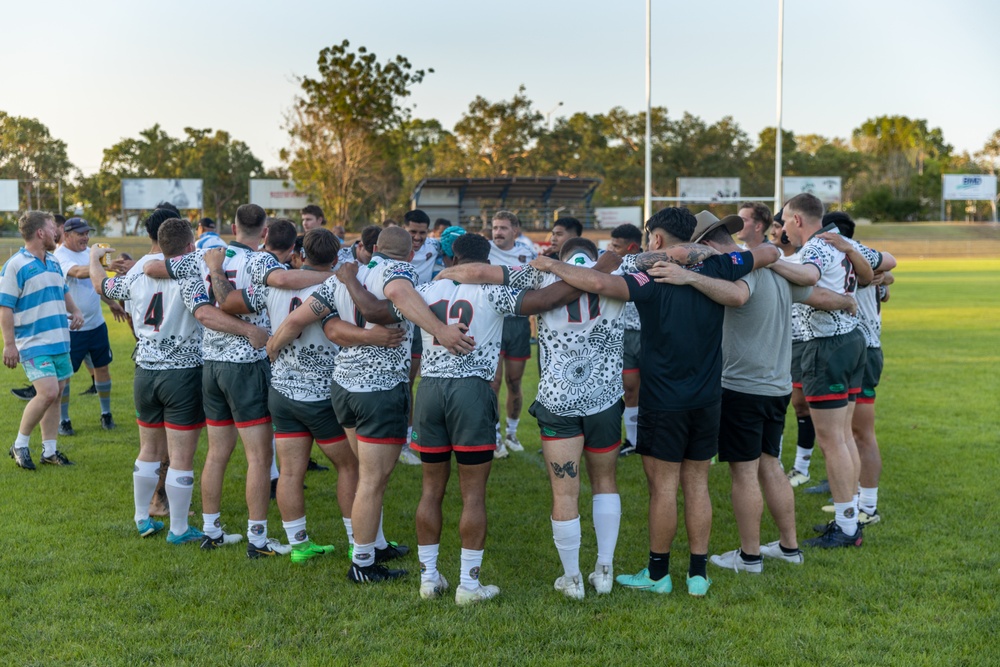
x: 253, y: 422
x: 603, y: 450
x: 826, y: 397
x: 184, y: 427
x: 382, y: 441
x: 475, y: 448
x: 148, y: 425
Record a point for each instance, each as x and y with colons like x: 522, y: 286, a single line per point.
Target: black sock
x: 807, y: 434
x: 659, y: 565
x: 748, y: 558
x: 697, y: 566
x: 786, y: 550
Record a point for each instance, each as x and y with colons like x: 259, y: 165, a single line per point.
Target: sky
x: 99, y: 71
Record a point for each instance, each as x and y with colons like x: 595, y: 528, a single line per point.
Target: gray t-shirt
x: 757, y: 337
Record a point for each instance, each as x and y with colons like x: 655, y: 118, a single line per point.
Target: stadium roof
x: 543, y: 188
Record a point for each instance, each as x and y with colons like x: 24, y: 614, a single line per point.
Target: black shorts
x: 93, y: 342
x: 797, y: 346
x: 168, y: 398
x: 751, y: 425
x: 630, y: 358
x: 832, y: 369
x: 601, y: 432
x: 676, y: 435
x: 873, y: 373
x: 455, y: 415
x: 236, y: 393
x: 378, y: 417
x: 303, y: 419
x: 515, y: 344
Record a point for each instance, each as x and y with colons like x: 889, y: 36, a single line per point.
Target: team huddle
x: 280, y: 340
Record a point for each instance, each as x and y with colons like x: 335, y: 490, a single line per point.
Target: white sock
x: 428, y: 556
x: 512, y: 426
x: 868, y: 500
x: 631, y: 416
x: 802, y: 458
x: 847, y: 524
x: 211, y: 525
x: 145, y: 477
x: 409, y: 435
x: 472, y: 561
x: 48, y: 447
x: 22, y: 440
x: 364, y: 554
x: 274, y: 465
x: 380, y: 541
x: 257, y: 532
x: 350, y: 531
x: 296, y: 531
x: 180, y: 487
x: 566, y: 535
x: 607, y: 519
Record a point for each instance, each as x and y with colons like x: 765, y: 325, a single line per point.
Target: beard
x: 50, y: 244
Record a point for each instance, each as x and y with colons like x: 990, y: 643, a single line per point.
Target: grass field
x: 79, y: 587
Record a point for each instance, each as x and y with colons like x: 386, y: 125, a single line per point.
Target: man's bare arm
x: 806, y: 275
x: 373, y: 309
x: 474, y: 273
x: 684, y: 253
x: 585, y: 279
x: 11, y: 356
x: 155, y: 268
x: 346, y: 334
x: 313, y: 310
x: 96, y: 272
x: 414, y: 309
x: 81, y: 271
x: 828, y: 300
x: 216, y: 320
x: 724, y: 292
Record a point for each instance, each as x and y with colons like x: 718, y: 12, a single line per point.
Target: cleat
x: 602, y: 578
x: 733, y: 560
x: 829, y: 509
x: 834, y: 537
x: 57, y: 459
x: 371, y: 574
x: 90, y: 392
x: 279, y: 548
x: 107, y: 423
x: 571, y: 587
x: 22, y: 457
x: 271, y: 548
x: 823, y: 527
x: 864, y: 518
x: 698, y: 586
x: 315, y: 467
x: 392, y: 551
x: 464, y: 596
x: 822, y: 487
x: 409, y: 457
x: 192, y: 534
x: 512, y: 443
x: 148, y: 527
x: 796, y: 478
x: 641, y: 581
x: 626, y: 449
x: 66, y: 428
x: 309, y: 550
x: 434, y: 589
x: 24, y: 393
x: 773, y: 550
x: 223, y: 540
x: 501, y: 451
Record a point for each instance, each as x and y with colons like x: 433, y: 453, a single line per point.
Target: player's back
x: 303, y: 369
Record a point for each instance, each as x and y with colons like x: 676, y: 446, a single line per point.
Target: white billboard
x: 143, y: 194
x: 612, y: 216
x: 708, y: 189
x: 8, y: 196
x: 276, y: 194
x: 966, y: 187
x: 827, y: 188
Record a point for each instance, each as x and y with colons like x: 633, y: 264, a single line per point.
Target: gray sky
x: 99, y: 71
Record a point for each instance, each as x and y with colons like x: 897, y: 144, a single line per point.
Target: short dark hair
x: 369, y: 237
x: 677, y: 222
x: 570, y: 225
x: 718, y: 235
x: 843, y: 221
x: 629, y: 232
x: 60, y: 220
x: 442, y: 222
x: 578, y: 244
x: 207, y: 223
x: 312, y: 209
x: 321, y: 245
x: 758, y: 211
x: 471, y: 248
x: 417, y: 216
x: 250, y: 217
x: 807, y: 204
x: 155, y: 220
x: 281, y: 234
x: 174, y: 236
x: 170, y: 207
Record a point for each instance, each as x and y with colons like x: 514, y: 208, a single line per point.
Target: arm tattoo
x: 568, y: 468
x: 646, y: 260
x: 317, y: 308
x: 695, y: 253
x: 220, y: 285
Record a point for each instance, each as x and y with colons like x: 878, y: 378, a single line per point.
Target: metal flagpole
x: 648, y: 203
x: 777, y: 137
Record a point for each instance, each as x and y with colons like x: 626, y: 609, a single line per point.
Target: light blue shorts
x: 58, y: 366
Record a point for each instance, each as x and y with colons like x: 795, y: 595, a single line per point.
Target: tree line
x: 356, y: 149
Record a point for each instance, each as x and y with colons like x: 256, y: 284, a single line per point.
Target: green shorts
x: 303, y: 419
x: 417, y: 346
x: 873, y: 373
x: 378, y: 417
x: 601, y: 432
x: 236, y: 393
x: 630, y: 358
x: 515, y: 344
x: 455, y: 414
x: 58, y: 366
x: 168, y: 398
x: 797, y: 346
x: 832, y: 369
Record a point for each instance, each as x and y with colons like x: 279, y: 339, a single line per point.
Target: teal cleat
x: 698, y: 586
x: 192, y: 534
x: 642, y: 582
x: 148, y: 527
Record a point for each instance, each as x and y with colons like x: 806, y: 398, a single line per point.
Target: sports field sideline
x: 78, y: 586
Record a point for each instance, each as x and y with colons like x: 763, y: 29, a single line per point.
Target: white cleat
x: 464, y: 596
x: 513, y: 444
x: 409, y: 457
x: 501, y: 452
x: 773, y: 550
x: 571, y: 587
x: 433, y: 589
x: 602, y: 578
x: 796, y: 478
x: 279, y: 548
x: 733, y: 560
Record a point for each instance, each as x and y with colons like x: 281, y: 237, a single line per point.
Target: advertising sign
x: 143, y: 194
x: 8, y: 196
x: 708, y: 189
x: 612, y: 216
x: 276, y: 194
x: 966, y: 187
x: 827, y: 188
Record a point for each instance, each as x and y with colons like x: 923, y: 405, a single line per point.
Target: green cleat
x: 698, y: 586
x: 307, y: 550
x: 642, y: 582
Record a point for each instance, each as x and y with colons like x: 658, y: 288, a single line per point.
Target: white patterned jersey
x: 580, y: 347
x: 244, y: 267
x: 797, y: 308
x: 348, y: 255
x: 304, y: 367
x: 837, y: 275
x: 367, y: 368
x: 517, y: 256
x: 163, y: 319
x: 481, y: 308
x: 424, y: 260
x: 869, y: 300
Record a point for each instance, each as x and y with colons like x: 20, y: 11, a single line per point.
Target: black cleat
x: 24, y: 393
x: 57, y: 459
x: 66, y: 428
x: 90, y: 392
x: 313, y: 466
x: 626, y: 449
x: 107, y: 423
x: 22, y: 457
x: 391, y: 552
x: 822, y: 487
x: 269, y: 550
x: 372, y: 573
x: 834, y: 537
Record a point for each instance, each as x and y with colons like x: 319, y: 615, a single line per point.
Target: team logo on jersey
x: 415, y: 437
x: 474, y: 573
x: 371, y: 264
x: 429, y: 255
x: 579, y: 260
x: 230, y: 252
x: 300, y: 536
x: 546, y: 431
x: 257, y: 529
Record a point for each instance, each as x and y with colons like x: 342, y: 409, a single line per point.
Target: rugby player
x: 626, y: 240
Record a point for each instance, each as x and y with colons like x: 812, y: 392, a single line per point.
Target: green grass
x: 78, y: 586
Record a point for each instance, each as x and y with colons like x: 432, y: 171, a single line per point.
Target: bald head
x: 395, y: 242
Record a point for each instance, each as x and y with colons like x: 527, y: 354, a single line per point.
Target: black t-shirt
x: 681, y: 358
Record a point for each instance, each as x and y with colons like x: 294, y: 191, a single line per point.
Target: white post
x: 648, y: 203
x: 777, y: 137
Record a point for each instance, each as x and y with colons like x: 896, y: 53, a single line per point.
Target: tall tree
x: 29, y: 152
x: 497, y: 137
x: 224, y: 164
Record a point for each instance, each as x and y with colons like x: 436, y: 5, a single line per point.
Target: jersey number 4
x: 154, y: 312
x: 452, y: 312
